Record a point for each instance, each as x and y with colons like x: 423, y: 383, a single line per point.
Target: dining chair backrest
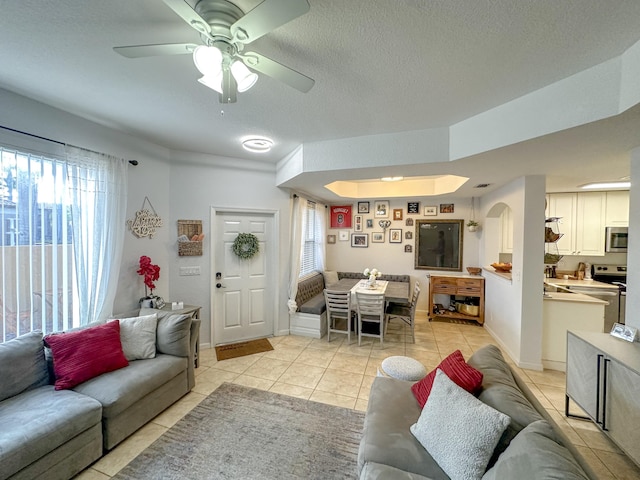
x: 370, y: 304
x: 416, y: 294
x: 338, y: 302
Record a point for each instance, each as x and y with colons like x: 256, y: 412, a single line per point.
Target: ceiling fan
x: 225, y: 29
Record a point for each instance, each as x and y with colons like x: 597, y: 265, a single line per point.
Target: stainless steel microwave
x: 616, y: 239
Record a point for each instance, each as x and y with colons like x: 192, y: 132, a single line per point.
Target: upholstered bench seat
x: 315, y: 305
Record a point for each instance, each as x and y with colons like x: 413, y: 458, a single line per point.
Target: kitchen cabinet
x: 582, y: 224
x: 603, y: 378
x: 617, y: 211
x: 457, y: 285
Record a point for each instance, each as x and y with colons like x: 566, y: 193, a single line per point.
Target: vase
x: 152, y: 301
x: 473, y: 228
x: 371, y: 282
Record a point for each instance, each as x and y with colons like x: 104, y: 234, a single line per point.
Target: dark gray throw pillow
x: 22, y: 365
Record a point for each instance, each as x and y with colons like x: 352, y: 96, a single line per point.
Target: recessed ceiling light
x: 391, y: 179
x: 598, y: 185
x: 257, y: 144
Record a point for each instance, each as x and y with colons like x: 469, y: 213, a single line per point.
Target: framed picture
x: 413, y: 208
x: 377, y: 237
x: 624, y: 332
x: 408, y: 249
x: 357, y: 223
x: 369, y: 222
x: 331, y: 239
x: 397, y: 214
x: 409, y: 222
x: 446, y: 208
x: 381, y: 209
x: 340, y: 216
x: 343, y: 235
x: 408, y: 235
x: 395, y: 235
x: 359, y: 239
x: 430, y: 211
x: 363, y: 207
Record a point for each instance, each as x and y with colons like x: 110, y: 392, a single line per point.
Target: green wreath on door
x: 246, y: 245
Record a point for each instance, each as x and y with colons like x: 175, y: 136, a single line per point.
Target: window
x: 312, y: 232
x: 36, y: 248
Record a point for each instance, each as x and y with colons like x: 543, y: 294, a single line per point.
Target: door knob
x: 219, y: 285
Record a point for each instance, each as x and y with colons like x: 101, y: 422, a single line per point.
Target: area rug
x: 245, y: 433
x: 459, y: 321
x: 240, y: 349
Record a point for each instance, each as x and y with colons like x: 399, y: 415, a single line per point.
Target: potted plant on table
x: 151, y: 273
x: 373, y: 275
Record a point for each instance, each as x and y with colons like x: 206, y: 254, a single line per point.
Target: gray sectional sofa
x: 54, y: 434
x: 532, y: 447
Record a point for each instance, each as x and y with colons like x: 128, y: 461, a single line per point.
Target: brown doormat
x: 233, y: 350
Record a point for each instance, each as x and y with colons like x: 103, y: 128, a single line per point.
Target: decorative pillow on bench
x: 83, y: 354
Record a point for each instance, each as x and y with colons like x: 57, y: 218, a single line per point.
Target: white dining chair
x: 338, y: 305
x: 406, y: 313
x: 371, y: 311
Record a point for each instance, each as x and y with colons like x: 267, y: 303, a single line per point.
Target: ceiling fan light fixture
x: 245, y: 78
x: 391, y: 179
x: 257, y: 144
x: 208, y: 60
x: 214, y: 82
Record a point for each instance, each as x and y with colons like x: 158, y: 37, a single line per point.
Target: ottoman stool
x: 402, y: 368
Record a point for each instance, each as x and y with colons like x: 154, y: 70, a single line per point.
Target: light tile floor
x: 340, y: 374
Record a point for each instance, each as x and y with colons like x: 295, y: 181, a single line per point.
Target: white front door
x: 244, y: 291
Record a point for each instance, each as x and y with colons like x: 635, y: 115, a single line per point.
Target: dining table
x: 397, y: 292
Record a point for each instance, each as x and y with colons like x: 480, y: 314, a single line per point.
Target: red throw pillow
x: 454, y: 366
x: 81, y: 355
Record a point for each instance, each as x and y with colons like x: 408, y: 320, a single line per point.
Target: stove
x: 614, y: 274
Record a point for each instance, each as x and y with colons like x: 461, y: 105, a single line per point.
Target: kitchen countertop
x: 573, y: 297
x: 560, y: 282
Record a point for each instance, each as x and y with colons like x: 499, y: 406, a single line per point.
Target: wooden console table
x: 457, y: 285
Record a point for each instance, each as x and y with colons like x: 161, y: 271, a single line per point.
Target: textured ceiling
x: 380, y: 66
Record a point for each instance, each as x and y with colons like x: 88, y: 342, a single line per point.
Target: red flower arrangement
x: 151, y: 273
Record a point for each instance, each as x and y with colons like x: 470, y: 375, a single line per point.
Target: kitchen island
x: 562, y: 311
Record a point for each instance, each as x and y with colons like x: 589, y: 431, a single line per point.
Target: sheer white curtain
x: 298, y: 208
x: 98, y: 187
x: 320, y: 234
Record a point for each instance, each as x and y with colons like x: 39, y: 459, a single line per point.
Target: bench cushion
x: 315, y: 305
x: 38, y: 421
x: 309, y: 288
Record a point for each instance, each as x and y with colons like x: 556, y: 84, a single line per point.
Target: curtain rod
x: 132, y: 162
x: 295, y: 195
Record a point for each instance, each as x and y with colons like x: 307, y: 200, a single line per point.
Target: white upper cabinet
x: 617, y: 209
x: 582, y: 221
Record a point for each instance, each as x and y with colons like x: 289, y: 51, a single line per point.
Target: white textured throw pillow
x: 138, y: 336
x: 458, y: 430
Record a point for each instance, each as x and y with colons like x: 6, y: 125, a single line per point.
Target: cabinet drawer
x: 448, y: 289
x: 444, y: 281
x: 470, y: 291
x: 469, y: 282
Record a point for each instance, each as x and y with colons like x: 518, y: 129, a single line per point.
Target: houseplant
x: 472, y: 225
x: 373, y: 274
x: 151, y: 273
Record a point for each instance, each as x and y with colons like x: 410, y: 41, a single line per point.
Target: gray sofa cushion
x: 120, y: 389
x: 386, y: 438
x: 534, y: 454
x: 377, y: 471
x: 315, y: 305
x: 40, y: 420
x: 500, y: 391
x: 173, y: 333
x: 22, y: 365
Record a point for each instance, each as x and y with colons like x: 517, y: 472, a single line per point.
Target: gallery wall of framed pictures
x: 383, y: 221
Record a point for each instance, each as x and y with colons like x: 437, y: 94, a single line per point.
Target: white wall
x: 633, y: 255
x: 391, y: 258
x: 513, y: 308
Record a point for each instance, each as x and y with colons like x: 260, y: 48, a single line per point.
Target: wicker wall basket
x: 189, y: 228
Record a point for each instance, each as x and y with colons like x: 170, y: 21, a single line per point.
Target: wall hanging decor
x: 360, y: 240
x: 146, y: 222
x: 190, y: 238
x: 340, y: 216
x: 246, y: 245
x: 413, y: 208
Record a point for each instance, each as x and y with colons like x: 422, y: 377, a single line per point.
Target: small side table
x: 194, y: 311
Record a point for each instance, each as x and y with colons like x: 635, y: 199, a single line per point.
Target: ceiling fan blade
x: 266, y: 17
x: 278, y: 71
x: 189, y: 15
x: 137, y: 51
